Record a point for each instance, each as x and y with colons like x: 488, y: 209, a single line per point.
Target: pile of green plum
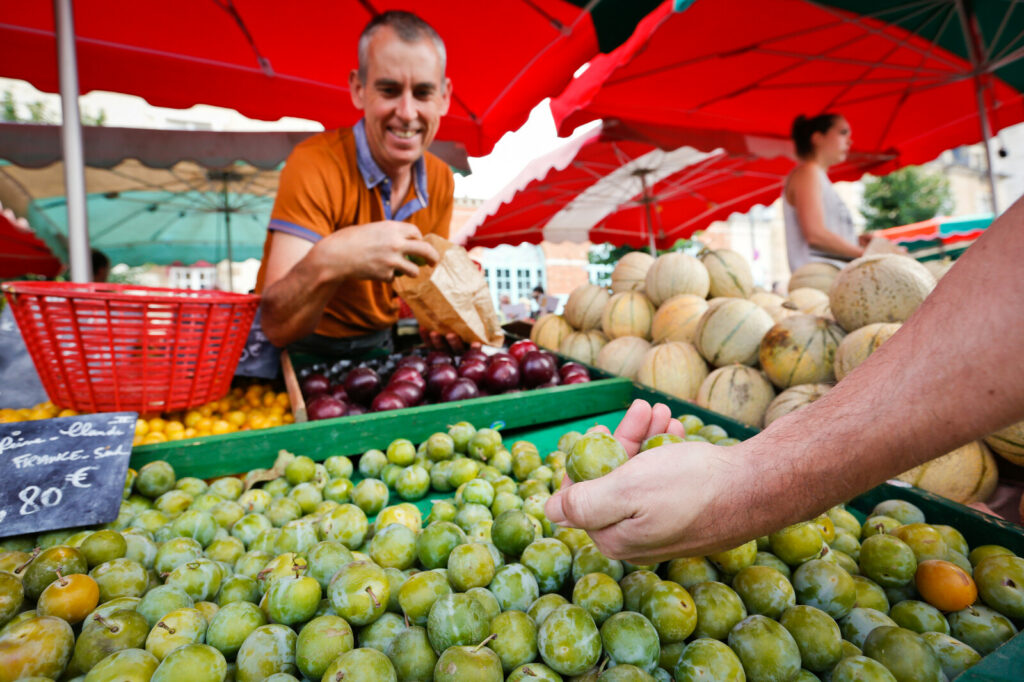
x: 314, y: 571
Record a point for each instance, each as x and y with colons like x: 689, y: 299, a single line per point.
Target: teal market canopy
x: 156, y: 196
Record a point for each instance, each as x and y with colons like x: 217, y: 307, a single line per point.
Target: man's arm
x: 301, y: 277
x: 952, y: 374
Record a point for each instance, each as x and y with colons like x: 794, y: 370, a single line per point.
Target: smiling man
x: 353, y: 204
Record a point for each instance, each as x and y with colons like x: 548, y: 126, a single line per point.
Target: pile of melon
x: 698, y: 329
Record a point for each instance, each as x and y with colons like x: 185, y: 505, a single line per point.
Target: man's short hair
x: 409, y: 27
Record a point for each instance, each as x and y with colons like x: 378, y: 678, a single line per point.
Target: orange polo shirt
x: 331, y: 182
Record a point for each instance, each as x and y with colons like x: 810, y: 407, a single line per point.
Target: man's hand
x: 375, y: 251
x: 450, y: 342
x: 660, y: 504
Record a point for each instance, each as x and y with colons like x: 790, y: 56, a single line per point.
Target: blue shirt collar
x: 372, y: 173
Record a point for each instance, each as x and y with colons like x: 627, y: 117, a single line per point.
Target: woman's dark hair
x: 804, y: 128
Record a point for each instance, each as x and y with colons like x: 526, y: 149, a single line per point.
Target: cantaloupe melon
x: 881, y: 288
x: 859, y: 344
x: 631, y: 271
x: 731, y: 331
x: 583, y: 346
x: 676, y: 273
x: 968, y: 474
x: 781, y: 311
x: 676, y: 318
x: 549, y: 330
x: 938, y: 268
x: 792, y: 399
x: 807, y: 300
x: 623, y: 356
x: 1009, y: 443
x: 814, y: 276
x: 800, y: 350
x: 766, y: 299
x: 585, y: 305
x: 737, y: 391
x: 629, y: 313
x: 675, y: 368
x: 730, y: 273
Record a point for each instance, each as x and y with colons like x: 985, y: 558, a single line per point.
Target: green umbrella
x: 162, y: 227
x: 137, y: 214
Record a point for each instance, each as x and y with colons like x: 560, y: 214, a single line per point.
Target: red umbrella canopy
x: 895, y: 71
x: 593, y: 189
x: 269, y: 59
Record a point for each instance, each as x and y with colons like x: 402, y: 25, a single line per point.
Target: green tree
x: 8, y: 109
x: 38, y: 113
x: 908, y: 195
x: 606, y: 254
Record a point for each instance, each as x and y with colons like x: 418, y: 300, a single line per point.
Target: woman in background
x: 819, y: 226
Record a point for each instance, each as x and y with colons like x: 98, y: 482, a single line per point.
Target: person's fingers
x: 589, y: 505
x: 661, y: 415
x: 418, y: 248
x: 401, y: 266
x: 633, y: 429
x: 676, y: 428
x: 437, y: 341
x: 454, y: 342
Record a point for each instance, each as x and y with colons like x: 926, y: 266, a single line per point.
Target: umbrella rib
x: 915, y: 73
x: 1008, y: 59
x: 155, y: 235
x: 913, y: 10
x: 848, y: 61
x: 229, y: 7
x: 172, y: 56
x: 909, y: 89
x: 563, y: 33
x: 989, y: 57
x: 100, y: 232
x: 752, y: 47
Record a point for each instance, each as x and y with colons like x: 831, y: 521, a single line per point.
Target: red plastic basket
x: 110, y: 347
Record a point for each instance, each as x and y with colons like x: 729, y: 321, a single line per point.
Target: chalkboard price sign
x: 64, y: 472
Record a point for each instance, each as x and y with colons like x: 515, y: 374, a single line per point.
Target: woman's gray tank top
x: 838, y: 220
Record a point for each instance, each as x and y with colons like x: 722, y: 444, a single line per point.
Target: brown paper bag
x: 452, y: 296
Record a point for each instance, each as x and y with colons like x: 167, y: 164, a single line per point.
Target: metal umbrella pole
x: 647, y: 200
x: 981, y: 66
x: 227, y: 227
x: 71, y: 143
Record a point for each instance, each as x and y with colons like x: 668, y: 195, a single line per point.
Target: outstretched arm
x: 952, y: 374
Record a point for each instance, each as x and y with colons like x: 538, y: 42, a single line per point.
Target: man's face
x: 403, y: 99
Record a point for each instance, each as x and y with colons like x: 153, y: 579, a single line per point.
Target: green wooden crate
x: 235, y: 453
x: 238, y: 452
